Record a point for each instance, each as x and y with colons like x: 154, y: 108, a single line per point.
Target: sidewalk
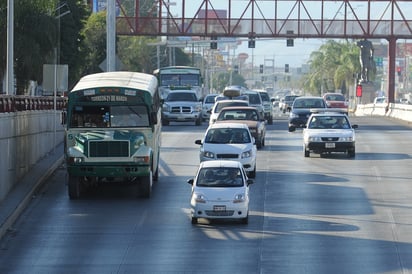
x: 20, y: 196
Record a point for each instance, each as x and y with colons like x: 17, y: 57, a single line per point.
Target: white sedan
x: 229, y: 141
x: 220, y: 190
x: 329, y: 132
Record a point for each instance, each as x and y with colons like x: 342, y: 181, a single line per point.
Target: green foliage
x: 332, y: 67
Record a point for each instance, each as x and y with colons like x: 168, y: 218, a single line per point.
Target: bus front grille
x: 109, y: 149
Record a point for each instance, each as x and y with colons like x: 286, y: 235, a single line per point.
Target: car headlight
x: 209, y: 154
x: 166, y: 107
x: 198, y: 108
x: 239, y: 198
x: 198, y: 198
x: 247, y: 154
x: 314, y: 139
x: 346, y: 139
x: 293, y: 115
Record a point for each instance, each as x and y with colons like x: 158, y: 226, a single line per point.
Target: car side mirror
x: 190, y: 181
x: 250, y: 181
x: 354, y: 126
x: 198, y: 142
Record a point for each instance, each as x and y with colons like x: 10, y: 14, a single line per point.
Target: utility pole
x: 10, y: 48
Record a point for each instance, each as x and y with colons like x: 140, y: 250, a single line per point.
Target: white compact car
x: 329, y: 132
x: 220, y: 190
x: 229, y: 141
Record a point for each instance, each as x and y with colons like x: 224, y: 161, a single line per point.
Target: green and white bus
x: 113, y: 131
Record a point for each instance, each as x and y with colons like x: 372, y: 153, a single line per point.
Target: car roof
x: 220, y: 163
x: 329, y: 113
x: 309, y: 97
x: 182, y: 90
x: 228, y: 125
x: 235, y: 100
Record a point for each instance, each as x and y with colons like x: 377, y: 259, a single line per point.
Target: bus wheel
x: 75, y: 187
x: 146, y: 185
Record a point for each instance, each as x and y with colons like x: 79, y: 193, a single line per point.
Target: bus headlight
x: 75, y: 160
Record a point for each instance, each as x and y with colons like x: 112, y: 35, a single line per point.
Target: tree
x: 332, y: 67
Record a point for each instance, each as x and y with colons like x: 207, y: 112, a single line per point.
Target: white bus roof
x: 122, y: 79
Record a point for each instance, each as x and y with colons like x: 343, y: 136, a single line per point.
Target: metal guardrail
x: 14, y: 103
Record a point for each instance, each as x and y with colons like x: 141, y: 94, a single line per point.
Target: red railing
x: 10, y: 103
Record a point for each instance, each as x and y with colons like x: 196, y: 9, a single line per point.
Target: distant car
x: 380, y: 100
x: 224, y: 103
x: 301, y: 110
x: 208, y: 103
x: 329, y: 132
x: 336, y: 100
x: 220, y: 190
x: 288, y: 102
x: 229, y: 141
x: 245, y: 115
x: 255, y: 100
x: 267, y: 106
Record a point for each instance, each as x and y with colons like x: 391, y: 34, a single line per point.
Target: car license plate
x: 329, y: 145
x: 219, y: 208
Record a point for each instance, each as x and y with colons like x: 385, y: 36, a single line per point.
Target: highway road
x: 308, y: 215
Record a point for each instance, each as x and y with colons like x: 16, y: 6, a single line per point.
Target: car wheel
x: 306, y: 152
x: 198, y: 122
x: 194, y: 220
x: 270, y: 121
x: 252, y: 174
x: 351, y: 153
x: 165, y: 122
x: 245, y: 220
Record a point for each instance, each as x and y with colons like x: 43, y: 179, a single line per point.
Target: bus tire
x: 74, y: 187
x: 146, y: 183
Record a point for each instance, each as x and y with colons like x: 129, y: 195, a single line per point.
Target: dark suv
x: 302, y: 108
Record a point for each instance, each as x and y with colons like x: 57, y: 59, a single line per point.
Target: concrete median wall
x: 397, y: 111
x: 25, y: 138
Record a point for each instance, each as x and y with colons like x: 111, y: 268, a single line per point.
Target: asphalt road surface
x: 307, y: 215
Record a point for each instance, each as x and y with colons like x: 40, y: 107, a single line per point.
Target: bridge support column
x: 391, y: 69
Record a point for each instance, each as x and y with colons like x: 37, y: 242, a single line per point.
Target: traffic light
x: 261, y: 68
x: 359, y: 91
x: 213, y: 43
x: 236, y: 69
x: 251, y: 43
x: 287, y: 68
x: 399, y: 70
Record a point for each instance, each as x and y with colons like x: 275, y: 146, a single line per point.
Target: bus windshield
x: 180, y: 80
x: 110, y: 116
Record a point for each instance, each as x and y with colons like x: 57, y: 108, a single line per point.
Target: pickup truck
x: 182, y: 106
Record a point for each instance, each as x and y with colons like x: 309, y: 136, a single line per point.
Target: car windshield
x: 227, y: 136
x: 220, y: 177
x: 254, y: 99
x: 181, y: 96
x: 336, y: 122
x: 308, y: 103
x: 264, y: 96
x: 221, y: 105
x: 335, y: 97
x: 210, y: 99
x: 238, y: 114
